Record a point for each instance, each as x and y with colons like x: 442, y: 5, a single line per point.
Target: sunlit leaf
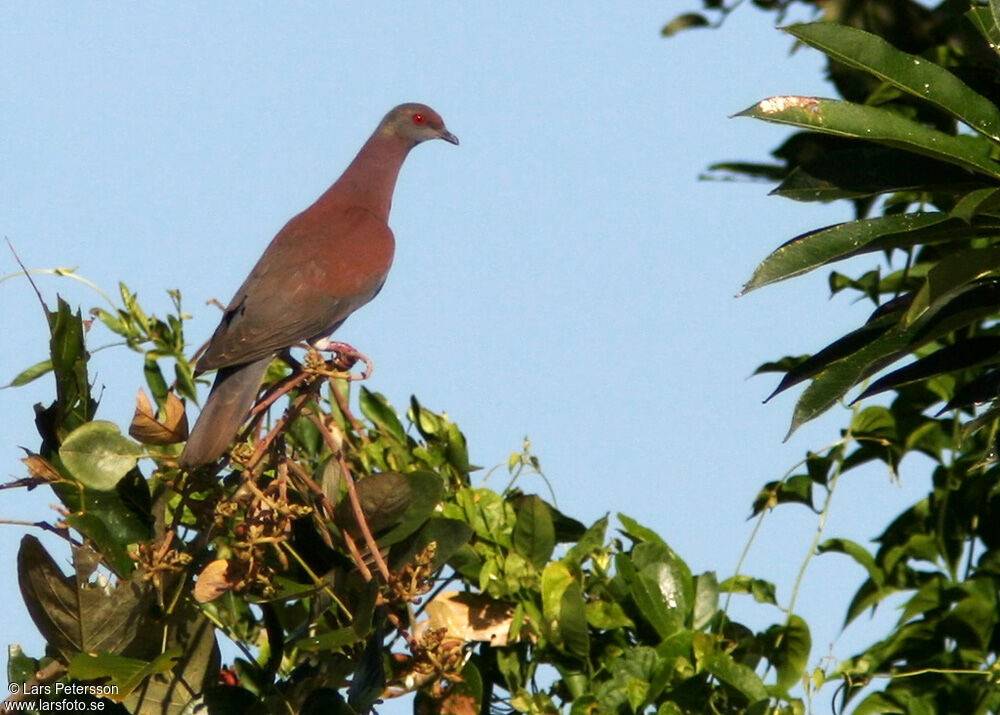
x: 847, y: 119
x: 98, y: 455
x: 817, y: 248
x: 916, y: 75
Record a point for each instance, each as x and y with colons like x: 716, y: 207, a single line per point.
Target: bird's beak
x: 448, y: 137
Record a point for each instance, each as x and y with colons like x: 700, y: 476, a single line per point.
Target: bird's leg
x: 347, y: 356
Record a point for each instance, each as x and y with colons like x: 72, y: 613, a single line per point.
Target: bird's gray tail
x: 228, y: 403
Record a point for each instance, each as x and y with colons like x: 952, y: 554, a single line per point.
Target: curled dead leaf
x: 148, y: 428
x: 213, y: 581
x: 41, y: 468
x: 469, y: 617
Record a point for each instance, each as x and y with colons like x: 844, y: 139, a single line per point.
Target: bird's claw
x: 345, y: 357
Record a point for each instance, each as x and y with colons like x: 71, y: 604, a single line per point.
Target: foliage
x: 913, y: 143
x: 350, y: 558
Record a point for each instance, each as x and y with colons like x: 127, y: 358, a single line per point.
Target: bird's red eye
x: 418, y: 119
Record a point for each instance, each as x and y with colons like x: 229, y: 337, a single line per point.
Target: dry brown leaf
x: 212, y: 581
x: 41, y: 468
x: 148, y: 429
x: 469, y: 617
x: 459, y: 704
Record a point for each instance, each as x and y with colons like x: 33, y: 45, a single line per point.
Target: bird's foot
x: 346, y: 356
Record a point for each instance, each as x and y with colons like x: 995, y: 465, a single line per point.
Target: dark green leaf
x: 449, y: 535
x: 950, y: 274
x: 837, y: 350
x: 921, y: 78
x: 962, y: 355
x: 376, y: 408
x: 978, y: 392
x: 125, y: 674
x: 982, y: 18
x: 790, y: 651
x: 817, y: 248
x: 737, y: 675
x: 534, y: 535
x: 857, y: 552
x: 395, y: 505
x: 762, y: 591
x: 73, y: 614
x: 155, y: 380
x: 831, y: 116
x: 572, y: 623
x: 197, y: 666
x: 794, y: 490
x: 591, y: 541
x: 869, y: 170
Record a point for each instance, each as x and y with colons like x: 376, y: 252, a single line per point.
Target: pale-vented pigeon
x: 322, y: 266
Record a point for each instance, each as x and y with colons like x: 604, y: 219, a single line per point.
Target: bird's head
x: 416, y: 123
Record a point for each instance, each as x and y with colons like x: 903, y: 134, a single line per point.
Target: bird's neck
x: 370, y: 179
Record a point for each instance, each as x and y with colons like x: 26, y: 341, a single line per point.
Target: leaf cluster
x: 913, y: 142
x: 348, y: 556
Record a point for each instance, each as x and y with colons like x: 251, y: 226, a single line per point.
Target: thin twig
x: 44, y: 526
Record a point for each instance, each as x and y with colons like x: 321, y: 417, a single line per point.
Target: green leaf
x: 976, y: 202
x: 790, y: 645
x: 817, y: 248
x: 154, y: 378
x: 839, y: 349
x: 686, y: 21
x: 984, y: 21
x: 910, y: 73
x: 20, y: 668
x: 648, y: 598
x: 637, y: 532
x: 395, y: 505
x: 794, y: 490
x: 98, y: 455
x: 950, y: 274
x: 665, y: 568
x: 588, y: 544
x: 31, y: 374
x: 125, y: 674
x: 330, y: 641
x: 868, y: 170
x: 742, y: 678
x: 706, y: 599
x: 555, y: 580
x: 119, y: 514
x: 834, y: 382
x: 961, y: 355
x: 73, y: 614
x: 449, y: 535
x: 197, y: 666
x: 564, y: 610
x: 428, y: 423
x: 534, y: 534
x: 857, y: 552
x: 846, y: 119
x: 761, y: 590
x: 74, y: 405
x: 607, y: 615
x: 376, y: 408
x: 572, y: 622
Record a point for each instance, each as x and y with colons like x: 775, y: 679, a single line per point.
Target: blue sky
x: 562, y: 275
